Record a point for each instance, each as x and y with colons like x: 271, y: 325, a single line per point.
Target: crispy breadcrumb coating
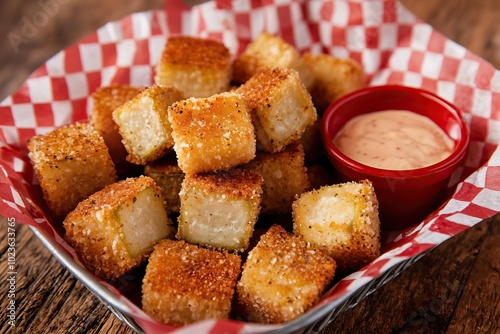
x: 143, y: 124
x: 333, y: 78
x: 212, y: 134
x: 105, y: 100
x: 219, y: 210
x: 344, y: 219
x: 198, y: 67
x: 185, y: 283
x: 282, y: 278
x: 71, y: 163
x: 168, y: 176
x: 115, y: 229
x: 285, y: 176
x: 280, y: 106
x: 269, y: 51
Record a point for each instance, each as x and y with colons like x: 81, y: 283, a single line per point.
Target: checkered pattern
x: 393, y: 47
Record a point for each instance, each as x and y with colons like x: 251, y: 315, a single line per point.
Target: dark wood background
x: 454, y: 289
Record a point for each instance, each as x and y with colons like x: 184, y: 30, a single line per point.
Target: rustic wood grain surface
x: 454, y: 289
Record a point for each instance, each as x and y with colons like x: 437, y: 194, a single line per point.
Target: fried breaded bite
x: 71, y: 163
x: 270, y: 51
x: 285, y: 176
x: 282, y: 278
x: 144, y: 126
x: 211, y: 134
x: 198, y: 67
x: 220, y: 210
x: 105, y: 100
x: 344, y: 219
x: 115, y: 229
x: 281, y: 107
x: 168, y: 176
x: 185, y: 283
x: 333, y: 78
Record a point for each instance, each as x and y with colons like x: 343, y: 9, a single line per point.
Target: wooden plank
x: 48, y: 298
x: 474, y: 24
x: 34, y: 32
x: 480, y: 300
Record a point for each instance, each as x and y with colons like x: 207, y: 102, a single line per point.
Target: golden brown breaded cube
x: 281, y: 107
x: 344, y: 219
x: 105, y: 100
x: 71, y: 163
x: 115, y: 229
x: 285, y: 176
x: 185, y: 283
x: 214, y: 133
x: 282, y: 278
x: 333, y: 78
x: 168, y: 176
x: 270, y: 51
x: 220, y: 210
x: 143, y: 124
x: 198, y: 67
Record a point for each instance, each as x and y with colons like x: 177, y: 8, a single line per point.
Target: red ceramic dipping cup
x: 405, y: 197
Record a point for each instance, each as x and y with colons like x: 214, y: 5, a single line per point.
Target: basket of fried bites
x: 213, y: 179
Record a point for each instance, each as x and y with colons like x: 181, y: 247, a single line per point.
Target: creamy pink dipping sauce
x: 394, y: 140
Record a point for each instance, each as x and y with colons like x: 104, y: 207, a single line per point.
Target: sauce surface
x: 394, y: 139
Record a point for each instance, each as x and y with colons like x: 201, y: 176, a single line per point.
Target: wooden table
x: 454, y: 289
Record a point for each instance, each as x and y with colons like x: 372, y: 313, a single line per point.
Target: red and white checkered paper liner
x: 391, y: 43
